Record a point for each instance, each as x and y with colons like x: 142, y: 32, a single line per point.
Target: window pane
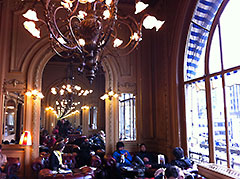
x: 230, y: 28
x: 232, y: 87
x: 127, y: 117
x: 218, y: 120
x: 196, y: 116
x: 214, y: 56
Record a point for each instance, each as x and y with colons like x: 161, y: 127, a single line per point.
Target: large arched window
x: 212, y: 83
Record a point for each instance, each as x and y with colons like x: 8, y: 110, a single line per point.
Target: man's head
x: 142, y: 147
x: 174, y: 172
x: 178, y: 152
x: 120, y: 146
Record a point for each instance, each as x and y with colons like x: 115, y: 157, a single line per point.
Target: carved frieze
x: 129, y: 87
x: 14, y: 85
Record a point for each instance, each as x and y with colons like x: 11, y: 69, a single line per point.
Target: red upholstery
x: 43, y: 161
x: 109, y: 161
x: 96, y: 161
x: 12, y: 166
x: 40, y: 166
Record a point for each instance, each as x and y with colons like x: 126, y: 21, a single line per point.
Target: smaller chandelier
x: 68, y: 97
x: 82, y: 28
x: 74, y: 89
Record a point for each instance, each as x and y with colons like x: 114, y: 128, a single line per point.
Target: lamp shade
x: 26, y: 138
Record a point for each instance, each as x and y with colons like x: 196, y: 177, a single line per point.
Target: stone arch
x: 33, y: 66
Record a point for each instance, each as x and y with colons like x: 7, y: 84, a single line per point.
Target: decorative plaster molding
x: 13, y: 82
x: 127, y: 87
x: 13, y: 85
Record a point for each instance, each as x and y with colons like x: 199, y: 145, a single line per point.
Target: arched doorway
x: 34, y: 64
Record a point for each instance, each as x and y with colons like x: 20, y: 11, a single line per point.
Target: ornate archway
x: 33, y: 66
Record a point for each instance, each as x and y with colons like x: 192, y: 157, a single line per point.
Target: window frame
x: 132, y: 107
x: 206, y: 77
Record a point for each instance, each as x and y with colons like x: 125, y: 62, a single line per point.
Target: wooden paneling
x: 16, y: 151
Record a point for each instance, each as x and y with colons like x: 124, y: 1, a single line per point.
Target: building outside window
x: 212, y: 83
x: 127, y: 117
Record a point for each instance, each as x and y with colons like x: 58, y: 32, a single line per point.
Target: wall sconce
x: 34, y: 93
x: 26, y: 138
x: 84, y: 107
x: 109, y: 95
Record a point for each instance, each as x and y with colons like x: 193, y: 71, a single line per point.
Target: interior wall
x: 151, y: 72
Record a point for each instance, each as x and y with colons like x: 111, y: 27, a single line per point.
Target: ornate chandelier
x: 82, y: 28
x: 68, y: 95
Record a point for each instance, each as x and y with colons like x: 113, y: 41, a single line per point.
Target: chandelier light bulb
x: 53, y: 91
x: 106, y: 14
x: 61, y: 40
x: 31, y: 15
x: 31, y: 27
x: 150, y: 22
x: 81, y: 42
x: 83, y: 1
x: 78, y: 88
x: 108, y: 2
x: 117, y: 42
x: 66, y: 4
x: 68, y: 86
x: 140, y: 6
x: 82, y: 15
x: 135, y: 36
x: 91, y: 1
x: 61, y: 92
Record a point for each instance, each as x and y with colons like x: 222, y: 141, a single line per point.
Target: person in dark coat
x: 180, y: 160
x: 148, y: 158
x: 55, y: 159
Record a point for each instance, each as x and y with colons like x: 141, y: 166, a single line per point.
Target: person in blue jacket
x: 122, y: 157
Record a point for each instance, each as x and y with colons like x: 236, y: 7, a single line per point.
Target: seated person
x: 122, y: 157
x: 173, y: 172
x: 181, y: 161
x: 3, y: 159
x: 55, y: 159
x: 49, y: 141
x: 84, y: 155
x: 147, y: 157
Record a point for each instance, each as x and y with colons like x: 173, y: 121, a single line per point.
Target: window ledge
x: 213, y: 171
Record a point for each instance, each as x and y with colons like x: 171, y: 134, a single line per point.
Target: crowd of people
x: 55, y: 144
x: 176, y: 169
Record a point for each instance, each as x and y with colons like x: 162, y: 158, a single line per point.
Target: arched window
x: 212, y: 83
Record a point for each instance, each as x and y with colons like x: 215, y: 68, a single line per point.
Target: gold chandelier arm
x: 110, y: 29
x: 138, y: 28
x: 73, y: 35
x: 53, y: 25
